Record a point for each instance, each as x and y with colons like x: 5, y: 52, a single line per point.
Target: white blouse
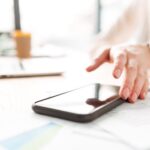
x: 133, y: 25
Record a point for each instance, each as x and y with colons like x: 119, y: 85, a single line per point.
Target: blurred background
x: 68, y: 23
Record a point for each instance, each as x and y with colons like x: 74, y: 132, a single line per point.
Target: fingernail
x: 134, y: 97
x: 117, y: 73
x: 126, y: 93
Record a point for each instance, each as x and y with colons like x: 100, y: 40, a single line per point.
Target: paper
x: 32, y: 139
x: 126, y: 127
x: 11, y: 66
x: 24, y: 133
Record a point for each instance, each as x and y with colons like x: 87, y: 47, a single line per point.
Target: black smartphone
x: 81, y: 105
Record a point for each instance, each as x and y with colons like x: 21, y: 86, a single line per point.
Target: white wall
x: 60, y: 20
x: 6, y: 15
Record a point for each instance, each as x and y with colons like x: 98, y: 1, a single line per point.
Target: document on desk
x: 24, y: 133
x: 38, y: 66
x: 125, y: 128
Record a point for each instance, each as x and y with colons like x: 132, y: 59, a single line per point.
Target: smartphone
x: 83, y: 104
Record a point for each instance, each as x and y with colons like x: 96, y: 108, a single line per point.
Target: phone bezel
x: 97, y: 112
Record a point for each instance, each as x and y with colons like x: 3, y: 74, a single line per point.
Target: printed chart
x: 33, y: 139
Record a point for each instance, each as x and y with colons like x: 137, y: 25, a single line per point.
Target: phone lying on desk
x: 81, y: 105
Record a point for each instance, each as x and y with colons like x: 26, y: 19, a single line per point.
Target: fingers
x: 144, y: 90
x: 135, y: 84
x: 99, y: 61
x: 138, y: 85
x: 131, y: 74
x: 120, y: 63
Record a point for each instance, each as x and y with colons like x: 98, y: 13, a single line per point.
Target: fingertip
x: 124, y: 93
x: 89, y: 69
x: 133, y: 98
x: 143, y: 95
x: 117, y: 73
x: 122, y: 97
x: 144, y: 91
x: 131, y: 101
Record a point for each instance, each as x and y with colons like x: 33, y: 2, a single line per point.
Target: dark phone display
x: 82, y: 101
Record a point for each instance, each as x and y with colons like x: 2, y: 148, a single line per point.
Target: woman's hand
x: 136, y: 62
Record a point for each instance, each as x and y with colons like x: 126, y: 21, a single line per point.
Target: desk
x: 124, y: 128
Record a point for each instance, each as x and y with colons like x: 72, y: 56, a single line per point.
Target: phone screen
x: 83, y: 100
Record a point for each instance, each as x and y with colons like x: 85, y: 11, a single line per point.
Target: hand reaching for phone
x: 136, y: 62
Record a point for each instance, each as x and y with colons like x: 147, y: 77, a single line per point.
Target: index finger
x: 99, y: 61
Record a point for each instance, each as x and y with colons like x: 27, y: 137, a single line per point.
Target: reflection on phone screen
x: 83, y: 100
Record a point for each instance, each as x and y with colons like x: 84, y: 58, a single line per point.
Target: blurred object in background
x: 23, y: 44
x: 67, y: 22
x: 7, y: 44
x: 6, y: 27
x: 22, y: 39
x: 70, y: 23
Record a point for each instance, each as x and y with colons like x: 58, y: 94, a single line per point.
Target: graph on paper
x: 33, y: 139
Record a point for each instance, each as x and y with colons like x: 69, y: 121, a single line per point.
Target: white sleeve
x: 130, y: 26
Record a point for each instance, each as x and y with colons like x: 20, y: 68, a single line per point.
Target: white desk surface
x: 125, y: 128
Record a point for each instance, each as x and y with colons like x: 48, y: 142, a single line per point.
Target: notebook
x: 12, y: 67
